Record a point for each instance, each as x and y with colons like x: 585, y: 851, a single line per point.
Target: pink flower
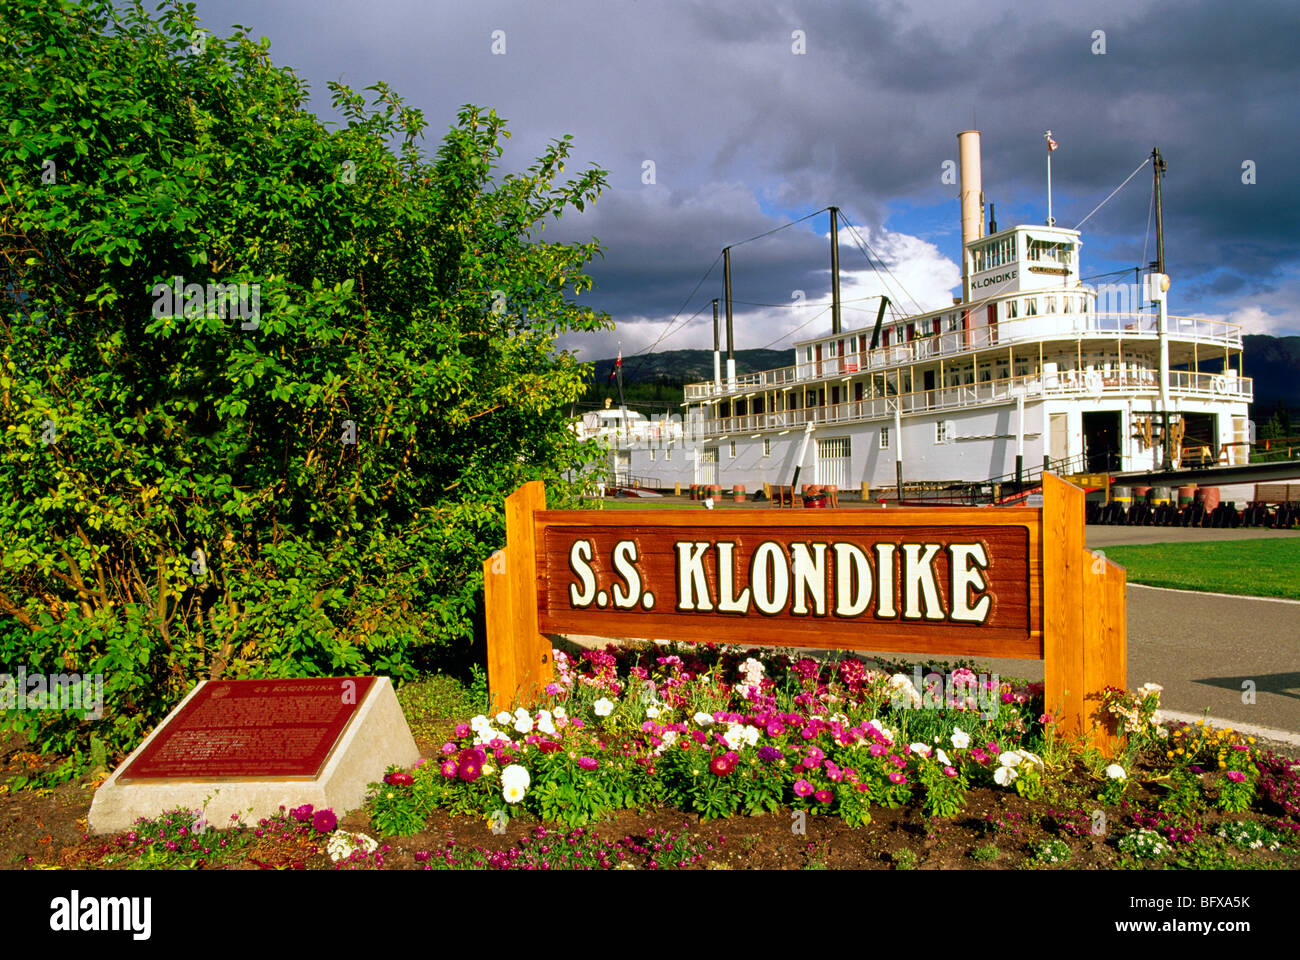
x: 721, y: 766
x: 399, y: 779
x: 824, y: 796
x: 949, y: 772
x: 876, y: 749
x: 587, y: 763
x: 775, y: 728
x: 1236, y: 776
x: 449, y: 768
x: 802, y: 788
x: 323, y: 821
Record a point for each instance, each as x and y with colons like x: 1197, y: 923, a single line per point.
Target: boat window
x: 1013, y: 309
x: 884, y: 438
x: 1051, y: 304
x: 1069, y: 304
x: 731, y: 449
x: 1031, y: 306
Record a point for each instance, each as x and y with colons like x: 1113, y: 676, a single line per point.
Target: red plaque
x: 252, y: 729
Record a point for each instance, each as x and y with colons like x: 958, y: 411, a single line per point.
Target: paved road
x: 1203, y: 648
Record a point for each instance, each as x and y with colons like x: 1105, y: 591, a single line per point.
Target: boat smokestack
x: 972, y: 199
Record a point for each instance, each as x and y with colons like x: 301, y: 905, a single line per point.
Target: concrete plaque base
x: 375, y: 737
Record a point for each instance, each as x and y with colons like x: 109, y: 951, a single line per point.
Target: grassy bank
x: 1261, y: 568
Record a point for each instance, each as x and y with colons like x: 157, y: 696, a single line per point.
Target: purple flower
x: 323, y: 821
x: 769, y: 754
x: 301, y: 814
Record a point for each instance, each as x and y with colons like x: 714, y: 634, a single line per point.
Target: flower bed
x: 719, y: 732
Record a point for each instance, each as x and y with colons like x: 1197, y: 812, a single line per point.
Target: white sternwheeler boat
x: 1029, y: 367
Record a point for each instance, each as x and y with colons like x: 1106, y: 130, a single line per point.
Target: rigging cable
x: 1113, y: 192
x: 863, y: 243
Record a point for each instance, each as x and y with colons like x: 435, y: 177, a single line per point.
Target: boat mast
x: 835, y: 270
x: 1157, y: 171
x: 731, y: 341
x: 717, y: 350
x: 1158, y: 167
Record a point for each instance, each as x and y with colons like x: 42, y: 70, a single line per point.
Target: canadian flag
x: 1051, y: 144
x: 617, y: 363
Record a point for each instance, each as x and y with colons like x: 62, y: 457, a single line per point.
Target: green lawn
x: 1261, y: 568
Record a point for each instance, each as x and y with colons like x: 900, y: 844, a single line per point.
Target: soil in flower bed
x: 997, y: 830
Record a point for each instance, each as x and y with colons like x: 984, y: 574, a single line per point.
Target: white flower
x: 488, y: 769
x: 750, y: 735
x: 942, y: 758
x: 960, y: 739
x: 652, y: 713
x: 920, y: 749
x: 603, y: 707
x: 873, y: 722
x: 1004, y: 775
x: 486, y: 735
x: 561, y: 713
x: 1009, y: 759
x: 734, y: 736
x: 669, y: 737
x: 703, y: 719
x: 515, y: 775
x: 478, y: 723
x: 1115, y: 772
x: 343, y: 844
x: 903, y: 689
x: 513, y: 792
x: 1031, y: 758
x: 524, y: 724
x: 503, y: 717
x: 544, y: 724
x: 1147, y: 688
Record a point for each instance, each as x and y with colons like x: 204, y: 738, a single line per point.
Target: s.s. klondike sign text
x: 981, y: 582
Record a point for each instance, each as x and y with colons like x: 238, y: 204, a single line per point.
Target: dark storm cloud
x: 743, y: 132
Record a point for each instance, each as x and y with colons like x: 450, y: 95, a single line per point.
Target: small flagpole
x: 619, y: 369
x: 1048, y: 137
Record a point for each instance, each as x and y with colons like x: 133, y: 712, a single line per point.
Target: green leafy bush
x: 297, y: 475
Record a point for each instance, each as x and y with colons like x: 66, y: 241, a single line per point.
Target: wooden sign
x: 977, y: 582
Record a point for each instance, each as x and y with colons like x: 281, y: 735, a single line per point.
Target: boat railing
x: 1094, y: 383
x: 955, y: 343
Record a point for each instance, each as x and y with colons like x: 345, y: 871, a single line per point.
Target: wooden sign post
x: 980, y: 582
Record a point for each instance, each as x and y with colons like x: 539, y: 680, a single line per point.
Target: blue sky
x: 746, y: 132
